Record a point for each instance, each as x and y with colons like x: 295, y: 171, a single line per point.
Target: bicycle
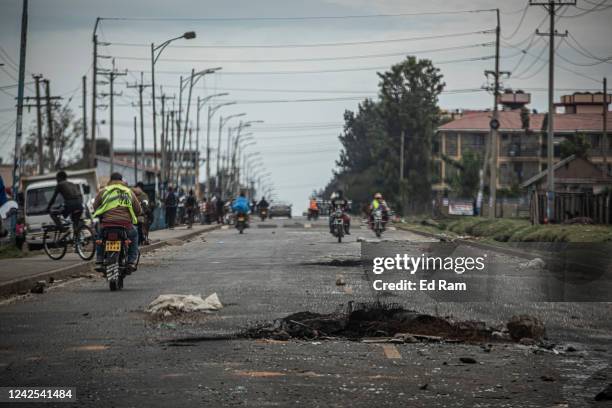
x: 58, y: 236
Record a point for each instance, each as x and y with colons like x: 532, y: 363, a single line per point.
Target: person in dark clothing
x: 170, y: 202
x: 262, y: 203
x: 338, y: 201
x: 190, y: 208
x: 73, y: 200
x: 220, y: 210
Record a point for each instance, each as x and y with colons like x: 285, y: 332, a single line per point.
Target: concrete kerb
x: 24, y: 284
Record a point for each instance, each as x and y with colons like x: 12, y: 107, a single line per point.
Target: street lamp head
x: 189, y: 35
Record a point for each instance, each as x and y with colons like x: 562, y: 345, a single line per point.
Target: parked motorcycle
x: 338, y: 225
x: 263, y: 213
x: 115, y: 244
x: 313, y: 214
x: 241, y: 222
x: 378, y: 225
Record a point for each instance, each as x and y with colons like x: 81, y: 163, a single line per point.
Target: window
x: 451, y: 144
x: 38, y: 199
x: 435, y: 144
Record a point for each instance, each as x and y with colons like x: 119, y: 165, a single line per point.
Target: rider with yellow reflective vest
x: 378, y: 202
x: 116, y: 205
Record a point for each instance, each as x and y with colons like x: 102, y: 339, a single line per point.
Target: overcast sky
x: 298, y: 140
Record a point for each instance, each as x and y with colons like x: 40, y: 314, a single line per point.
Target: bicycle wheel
x: 85, y: 242
x: 55, y: 243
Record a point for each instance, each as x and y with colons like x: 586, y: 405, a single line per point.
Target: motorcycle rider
x: 241, y: 205
x: 313, y: 206
x: 378, y: 202
x: 117, y: 206
x: 73, y: 200
x: 262, y: 203
x: 339, y: 202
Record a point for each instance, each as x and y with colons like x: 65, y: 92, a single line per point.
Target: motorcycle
x: 338, y: 225
x: 241, y: 222
x: 378, y: 225
x: 115, y: 244
x: 313, y: 214
x: 263, y: 213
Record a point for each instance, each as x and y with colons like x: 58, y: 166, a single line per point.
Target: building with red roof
x: 522, y: 136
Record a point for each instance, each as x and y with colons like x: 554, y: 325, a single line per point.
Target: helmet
x: 334, y: 195
x: 378, y: 196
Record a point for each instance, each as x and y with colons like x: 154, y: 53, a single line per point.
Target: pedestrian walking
x: 170, y: 203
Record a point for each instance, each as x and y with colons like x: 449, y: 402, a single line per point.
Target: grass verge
x: 514, y: 230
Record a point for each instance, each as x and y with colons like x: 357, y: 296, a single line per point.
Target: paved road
x: 82, y: 335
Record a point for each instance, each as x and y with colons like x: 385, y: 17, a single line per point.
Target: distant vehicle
x: 38, y: 191
x: 280, y: 210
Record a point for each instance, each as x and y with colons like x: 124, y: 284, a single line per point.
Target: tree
x: 370, y: 158
x: 464, y: 182
x: 66, y: 131
x: 576, y: 144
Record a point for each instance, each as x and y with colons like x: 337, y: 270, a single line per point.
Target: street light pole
x: 193, y: 78
x: 188, y: 36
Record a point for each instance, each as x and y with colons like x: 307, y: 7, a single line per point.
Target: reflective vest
x: 116, y: 195
x: 375, y: 204
x: 314, y: 205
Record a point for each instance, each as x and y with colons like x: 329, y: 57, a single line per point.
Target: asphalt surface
x: 78, y: 334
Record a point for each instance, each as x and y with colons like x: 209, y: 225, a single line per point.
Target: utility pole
x: 494, y: 126
x: 604, y: 136
x: 41, y: 157
x: 20, y: 86
x: 172, y: 147
x: 94, y: 95
x: 141, y: 86
x: 551, y: 6
x: 135, y: 150
x: 197, y: 164
x: 401, y: 171
x: 38, y: 105
x: 112, y: 75
x: 51, y: 138
x: 164, y: 138
x: 85, y: 147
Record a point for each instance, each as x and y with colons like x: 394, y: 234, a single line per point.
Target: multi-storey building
x: 522, y: 144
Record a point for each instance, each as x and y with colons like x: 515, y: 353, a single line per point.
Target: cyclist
x: 117, y: 206
x: 73, y: 200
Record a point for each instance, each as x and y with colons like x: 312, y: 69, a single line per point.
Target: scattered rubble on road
x: 373, y: 323
x: 605, y: 394
x: 526, y: 327
x: 39, y: 287
x: 169, y: 305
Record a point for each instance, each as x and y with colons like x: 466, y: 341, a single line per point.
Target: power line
x: 325, y: 71
x: 519, y: 24
x: 565, y: 69
x: 310, y: 45
x: 351, y: 57
x: 295, y: 18
x: 585, y: 52
x: 591, y: 10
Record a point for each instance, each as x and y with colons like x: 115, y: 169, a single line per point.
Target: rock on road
x: 81, y: 335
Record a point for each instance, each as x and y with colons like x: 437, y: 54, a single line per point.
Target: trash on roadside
x: 39, y: 287
x: 176, y: 304
x: 340, y: 281
x: 534, y: 263
x: 522, y: 326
